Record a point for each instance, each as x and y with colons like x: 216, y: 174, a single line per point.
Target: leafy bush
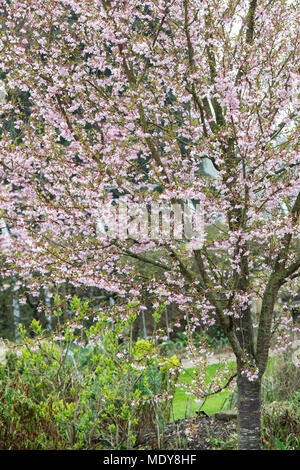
x: 89, y: 387
x: 281, y: 426
x: 281, y: 380
x: 24, y: 424
x: 230, y: 444
x: 216, y: 338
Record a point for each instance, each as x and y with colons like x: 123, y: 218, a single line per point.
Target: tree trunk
x: 249, y: 413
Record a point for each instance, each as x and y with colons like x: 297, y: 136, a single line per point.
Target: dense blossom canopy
x: 135, y: 95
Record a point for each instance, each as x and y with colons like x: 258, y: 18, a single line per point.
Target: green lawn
x: 181, y: 406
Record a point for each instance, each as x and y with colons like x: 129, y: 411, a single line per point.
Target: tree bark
x: 249, y: 413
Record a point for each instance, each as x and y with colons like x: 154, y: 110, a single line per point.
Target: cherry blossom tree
x: 133, y: 96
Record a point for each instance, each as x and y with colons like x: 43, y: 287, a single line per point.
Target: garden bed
x: 197, y: 433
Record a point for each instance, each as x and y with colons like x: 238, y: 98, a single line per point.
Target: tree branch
x: 251, y: 21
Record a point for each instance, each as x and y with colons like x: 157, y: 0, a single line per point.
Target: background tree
x: 168, y: 84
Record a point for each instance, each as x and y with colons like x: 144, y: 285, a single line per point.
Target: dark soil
x: 199, y: 433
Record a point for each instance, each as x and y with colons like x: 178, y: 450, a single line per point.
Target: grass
x: 185, y: 406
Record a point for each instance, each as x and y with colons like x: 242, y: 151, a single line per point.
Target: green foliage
x: 230, y: 444
x: 95, y: 387
x: 281, y: 400
x: 24, y: 423
x: 178, y: 344
x: 281, y: 382
x: 215, y: 339
x: 281, y: 425
x: 185, y: 406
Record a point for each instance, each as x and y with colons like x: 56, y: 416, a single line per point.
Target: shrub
x: 281, y: 426
x: 97, y: 388
x: 280, y: 383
